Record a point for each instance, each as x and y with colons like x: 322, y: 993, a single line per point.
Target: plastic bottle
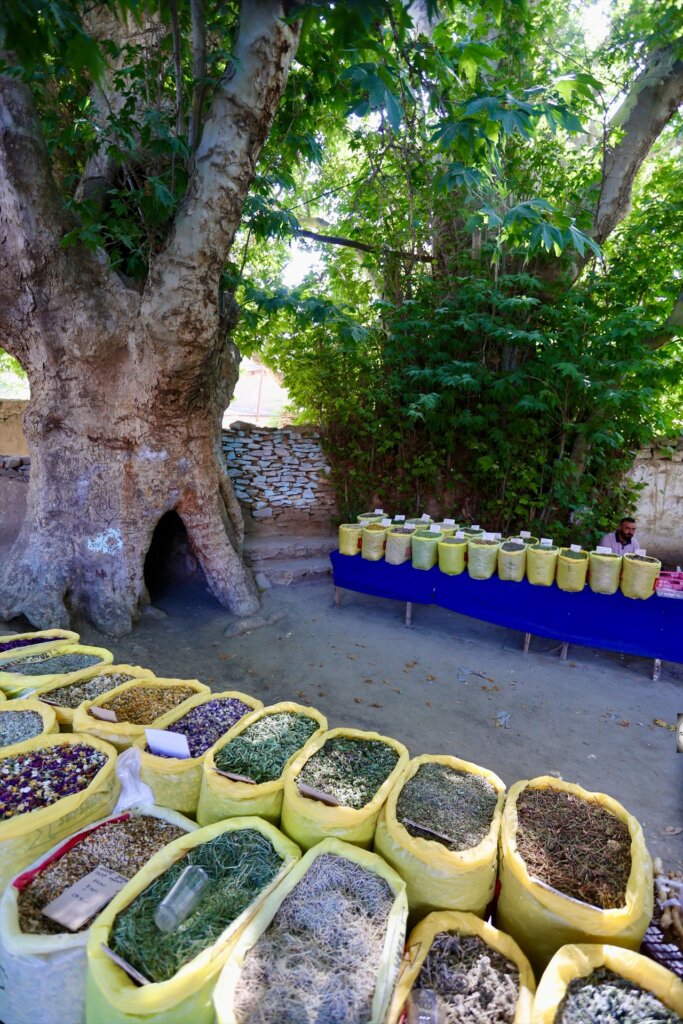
x: 424, y: 1007
x: 182, y: 898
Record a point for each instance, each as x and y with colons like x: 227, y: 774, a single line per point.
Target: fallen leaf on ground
x: 428, y: 703
x: 322, y: 693
x: 375, y: 705
x: 396, y: 690
x: 358, y: 700
x: 367, y: 680
x: 624, y: 721
x: 672, y: 830
x: 410, y: 664
x: 663, y: 724
x: 430, y: 679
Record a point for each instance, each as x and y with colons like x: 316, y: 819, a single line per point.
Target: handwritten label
x: 234, y: 777
x: 641, y: 551
x: 385, y: 522
x: 85, y: 898
x: 498, y: 536
x: 169, y: 744
x: 125, y: 966
x: 459, y: 535
x: 449, y: 522
x: 425, y: 518
x: 434, y: 528
x: 488, y: 536
x: 410, y: 526
x: 400, y: 519
x: 574, y: 547
x: 475, y: 526
x: 602, y: 550
x: 546, y: 542
x: 317, y: 794
x: 379, y: 512
x: 524, y: 533
x: 104, y: 714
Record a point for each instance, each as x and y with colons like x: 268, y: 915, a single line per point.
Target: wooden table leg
x: 527, y: 642
x: 337, y: 596
x: 656, y: 670
x: 563, y: 651
x: 409, y: 613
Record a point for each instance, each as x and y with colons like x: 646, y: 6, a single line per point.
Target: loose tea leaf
x: 577, y: 846
x: 124, y: 846
x: 75, y: 693
x: 204, y: 725
x: 512, y: 545
x: 350, y: 770
x: 477, y: 984
x: 318, y: 960
x: 41, y: 777
x: 17, y: 726
x: 142, y: 705
x: 457, y: 804
x: 263, y: 749
x: 239, y: 864
x: 50, y: 664
x: 604, y: 997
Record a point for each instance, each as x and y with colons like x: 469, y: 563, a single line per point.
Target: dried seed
x: 17, y: 726
x: 141, y: 705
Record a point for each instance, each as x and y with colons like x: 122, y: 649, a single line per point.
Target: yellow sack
x: 49, y: 693
x: 399, y: 546
x: 308, y: 821
x: 51, y: 639
x: 541, y: 563
x: 176, y: 781
x: 571, y: 572
x: 220, y: 797
x: 604, y: 573
x: 124, y: 734
x: 370, y: 517
x: 448, y: 529
x: 542, y: 919
x: 186, y: 998
x: 512, y: 563
x: 387, y: 971
x: 425, y: 548
x: 44, y: 976
x: 419, y: 522
x: 482, y: 558
x: 2, y: 696
x: 25, y: 837
x: 638, y: 577
x: 373, y: 539
x: 50, y: 723
x: 420, y: 942
x: 579, y: 961
x: 436, y: 877
x: 350, y: 538
x: 528, y: 540
x: 13, y: 682
x: 451, y: 554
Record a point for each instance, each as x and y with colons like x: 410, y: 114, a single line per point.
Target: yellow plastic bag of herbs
x: 124, y: 733
x: 223, y: 797
x: 52, y: 693
x: 420, y: 941
x: 482, y: 558
x: 572, y: 569
x: 176, y: 781
x: 572, y: 962
x: 638, y: 576
x: 373, y: 540
x: 435, y: 876
x: 308, y: 820
x: 41, y: 641
x: 604, y: 573
x: 387, y: 969
x: 350, y: 538
x: 541, y: 563
x: 425, y: 548
x: 24, y: 837
x: 14, y: 681
x: 28, y: 704
x: 452, y: 555
x: 44, y: 974
x: 399, y: 546
x: 541, y: 918
x: 186, y: 998
x: 512, y: 560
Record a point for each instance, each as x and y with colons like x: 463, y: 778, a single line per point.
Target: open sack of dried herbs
x: 337, y: 785
x: 439, y: 829
x: 51, y: 786
x: 23, y: 719
x: 244, y: 772
x: 573, y: 868
x: 242, y: 861
x: 65, y: 698
x: 325, y: 946
x: 202, y: 720
x: 639, y: 574
x: 43, y: 958
x: 27, y: 669
x: 121, y: 715
x: 38, y: 641
x: 473, y: 973
x: 596, y: 984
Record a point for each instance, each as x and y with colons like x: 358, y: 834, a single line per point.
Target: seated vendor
x: 623, y: 541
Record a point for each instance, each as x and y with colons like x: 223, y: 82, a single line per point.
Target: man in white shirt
x: 623, y: 541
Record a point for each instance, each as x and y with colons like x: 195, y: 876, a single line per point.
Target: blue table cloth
x: 652, y: 628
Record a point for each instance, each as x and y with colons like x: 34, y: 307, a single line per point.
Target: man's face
x: 627, y: 530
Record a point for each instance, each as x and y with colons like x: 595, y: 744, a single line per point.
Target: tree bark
x: 128, y: 390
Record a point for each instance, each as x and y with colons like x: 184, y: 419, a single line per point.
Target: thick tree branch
x: 413, y: 257
x: 653, y: 100
x: 671, y: 328
x: 177, y: 69
x: 198, y: 71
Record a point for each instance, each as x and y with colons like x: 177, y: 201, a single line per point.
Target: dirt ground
x: 440, y: 687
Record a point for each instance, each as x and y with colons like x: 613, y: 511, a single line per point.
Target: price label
x: 602, y: 550
x: 574, y: 547
x: 488, y: 536
x: 524, y: 533
x: 168, y: 744
x: 546, y: 542
x: 498, y: 536
x: 379, y: 511
x: 641, y: 551
x: 385, y: 522
x: 475, y: 526
x: 425, y: 518
x: 400, y: 519
x: 104, y: 714
x: 85, y: 898
x: 449, y: 522
x: 410, y: 526
x: 435, y: 528
x: 459, y: 535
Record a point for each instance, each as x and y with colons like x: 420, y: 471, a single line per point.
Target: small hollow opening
x: 171, y: 562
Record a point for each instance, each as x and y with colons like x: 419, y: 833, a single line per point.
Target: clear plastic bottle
x: 181, y: 900
x: 424, y: 1007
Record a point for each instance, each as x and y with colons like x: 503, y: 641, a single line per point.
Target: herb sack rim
x: 16, y: 682
x: 54, y: 639
x: 65, y: 715
x: 47, y: 714
x: 126, y: 732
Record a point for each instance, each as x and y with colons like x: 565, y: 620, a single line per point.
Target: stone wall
x: 280, y: 478
x: 659, y: 514
x: 12, y: 440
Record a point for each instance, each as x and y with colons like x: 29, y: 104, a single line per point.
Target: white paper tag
x: 641, y: 551
x: 85, y: 898
x: 459, y: 535
x: 434, y: 528
x: 449, y: 522
x: 125, y: 966
x: 475, y: 526
x: 104, y: 714
x: 524, y: 533
x: 498, y: 536
x: 385, y: 522
x: 602, y: 550
x: 488, y: 536
x: 546, y: 542
x: 409, y: 526
x: 171, y: 744
x: 400, y: 519
x: 574, y: 547
x: 425, y: 518
x: 379, y: 511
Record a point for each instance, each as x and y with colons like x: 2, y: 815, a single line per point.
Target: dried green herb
x: 50, y: 664
x: 75, y: 693
x: 456, y: 804
x: 512, y: 545
x: 604, y: 997
x: 576, y: 556
x: 577, y: 846
x: 350, y: 770
x: 17, y: 726
x: 640, y: 558
x: 318, y: 960
x: 239, y: 864
x: 263, y: 749
x: 477, y: 985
